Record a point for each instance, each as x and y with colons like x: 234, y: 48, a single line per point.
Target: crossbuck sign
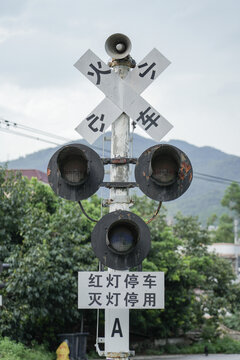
x: 123, y: 96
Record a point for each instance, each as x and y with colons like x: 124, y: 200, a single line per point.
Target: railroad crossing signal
x: 163, y: 172
x: 121, y: 240
x: 75, y: 172
x: 123, y: 96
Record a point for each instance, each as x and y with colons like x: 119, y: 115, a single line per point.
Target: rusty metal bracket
x: 117, y: 199
x: 127, y: 61
x: 119, y: 185
x: 119, y: 161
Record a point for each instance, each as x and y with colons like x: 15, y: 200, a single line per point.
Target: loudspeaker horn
x: 118, y: 46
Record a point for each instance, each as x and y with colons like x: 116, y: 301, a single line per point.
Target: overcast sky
x: 198, y: 93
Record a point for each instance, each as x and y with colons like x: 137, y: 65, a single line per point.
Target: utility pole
x: 119, y: 200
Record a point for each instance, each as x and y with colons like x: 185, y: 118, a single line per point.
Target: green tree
x: 231, y: 198
x: 14, y: 195
x: 232, y: 319
x: 47, y: 241
x: 214, y: 275
x: 224, y: 231
x: 196, y: 281
x: 195, y: 238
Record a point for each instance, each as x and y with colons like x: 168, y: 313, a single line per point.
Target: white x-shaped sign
x: 123, y: 96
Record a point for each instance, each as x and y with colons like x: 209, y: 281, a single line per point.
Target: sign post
x: 121, y: 240
x: 122, y: 89
x: 117, y: 292
x: 117, y: 321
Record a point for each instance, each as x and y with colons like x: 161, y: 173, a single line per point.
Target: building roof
x: 30, y: 173
x: 228, y: 250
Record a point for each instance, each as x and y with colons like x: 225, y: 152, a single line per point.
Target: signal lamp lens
x: 165, y: 166
x: 73, y: 166
x: 122, y: 237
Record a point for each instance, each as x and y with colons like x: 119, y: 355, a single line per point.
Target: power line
x: 215, y: 177
x: 215, y: 181
x: 28, y: 136
x: 8, y: 124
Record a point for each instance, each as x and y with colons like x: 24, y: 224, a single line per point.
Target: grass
x: 225, y: 345
x: 11, y: 350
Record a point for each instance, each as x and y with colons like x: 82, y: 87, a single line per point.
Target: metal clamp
x: 119, y: 184
x: 119, y: 161
x: 118, y: 200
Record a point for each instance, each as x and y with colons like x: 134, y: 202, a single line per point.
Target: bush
x: 233, y: 321
x: 11, y: 350
x: 225, y: 345
x: 46, y: 241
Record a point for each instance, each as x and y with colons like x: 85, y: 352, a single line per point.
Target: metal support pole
x: 117, y: 345
x: 235, y: 231
x: 120, y: 148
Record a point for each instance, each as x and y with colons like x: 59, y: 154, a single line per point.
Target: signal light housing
x: 75, y: 172
x: 163, y: 172
x: 121, y: 240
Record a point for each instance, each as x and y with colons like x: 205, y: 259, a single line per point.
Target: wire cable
x: 215, y: 177
x: 225, y: 182
x: 28, y: 136
x: 156, y: 213
x: 9, y: 123
x: 84, y: 212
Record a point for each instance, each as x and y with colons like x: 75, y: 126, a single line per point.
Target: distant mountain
x: 203, y: 198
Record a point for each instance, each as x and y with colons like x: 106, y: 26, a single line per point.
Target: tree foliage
x: 224, y: 231
x: 231, y: 198
x: 197, y: 283
x: 47, y: 241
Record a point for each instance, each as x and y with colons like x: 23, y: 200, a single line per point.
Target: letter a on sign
x: 117, y: 328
